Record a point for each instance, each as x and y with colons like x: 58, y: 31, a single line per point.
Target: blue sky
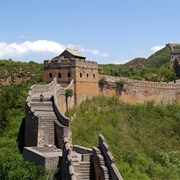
x: 105, y: 31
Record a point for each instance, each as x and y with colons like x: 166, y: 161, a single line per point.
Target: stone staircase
x: 87, y: 172
x: 83, y: 169
x: 44, y: 110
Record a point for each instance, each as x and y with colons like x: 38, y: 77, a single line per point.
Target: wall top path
x: 40, y: 89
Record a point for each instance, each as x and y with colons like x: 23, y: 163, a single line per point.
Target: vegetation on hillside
x: 137, y: 63
x: 12, y: 113
x: 144, y: 138
x: 162, y: 74
x: 160, y: 58
x: 12, y: 72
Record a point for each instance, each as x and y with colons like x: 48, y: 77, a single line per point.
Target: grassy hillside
x: 144, y: 139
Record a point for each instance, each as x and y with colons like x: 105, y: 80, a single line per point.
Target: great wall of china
x: 48, y: 136
x: 134, y: 91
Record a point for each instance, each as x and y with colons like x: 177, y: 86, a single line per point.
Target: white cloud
x: 14, y: 50
x: 156, y: 48
x: 37, y: 47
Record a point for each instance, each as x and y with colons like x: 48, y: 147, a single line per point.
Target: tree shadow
x: 21, y: 136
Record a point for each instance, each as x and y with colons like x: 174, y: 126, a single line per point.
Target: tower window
x: 87, y: 75
x: 80, y: 74
x: 93, y: 75
x: 50, y: 75
x: 59, y: 75
x: 69, y: 74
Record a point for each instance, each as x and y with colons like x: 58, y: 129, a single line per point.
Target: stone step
x: 49, y: 127
x: 36, y: 99
x: 47, y: 122
x: 41, y: 104
x: 45, y: 95
x: 45, y: 115
x: 48, y: 116
x: 46, y: 108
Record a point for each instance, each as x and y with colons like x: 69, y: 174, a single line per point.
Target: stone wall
x: 31, y: 127
x: 109, y: 159
x: 134, y: 91
x: 43, y: 156
x: 101, y: 171
x: 34, y: 131
x: 67, y: 167
x: 61, y: 104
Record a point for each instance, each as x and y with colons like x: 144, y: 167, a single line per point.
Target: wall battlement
x: 175, y: 51
x: 139, y: 83
x: 68, y: 62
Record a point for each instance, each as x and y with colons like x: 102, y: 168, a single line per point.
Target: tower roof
x: 75, y: 53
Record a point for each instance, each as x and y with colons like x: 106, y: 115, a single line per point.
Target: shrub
x: 69, y: 92
x: 102, y: 81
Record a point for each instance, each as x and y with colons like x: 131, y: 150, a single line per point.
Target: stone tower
x: 69, y: 65
x: 175, y: 58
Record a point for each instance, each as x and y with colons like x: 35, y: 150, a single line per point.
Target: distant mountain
x: 154, y: 68
x: 137, y: 63
x: 156, y: 60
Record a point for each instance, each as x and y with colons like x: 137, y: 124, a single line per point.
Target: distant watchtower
x: 69, y: 65
x: 175, y: 57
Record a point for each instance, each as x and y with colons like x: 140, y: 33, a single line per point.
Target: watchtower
x: 175, y: 57
x: 69, y: 65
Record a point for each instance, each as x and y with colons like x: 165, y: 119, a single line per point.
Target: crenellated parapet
x: 140, y: 83
x: 109, y: 159
x: 69, y: 62
x: 68, y: 171
x: 147, y: 84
